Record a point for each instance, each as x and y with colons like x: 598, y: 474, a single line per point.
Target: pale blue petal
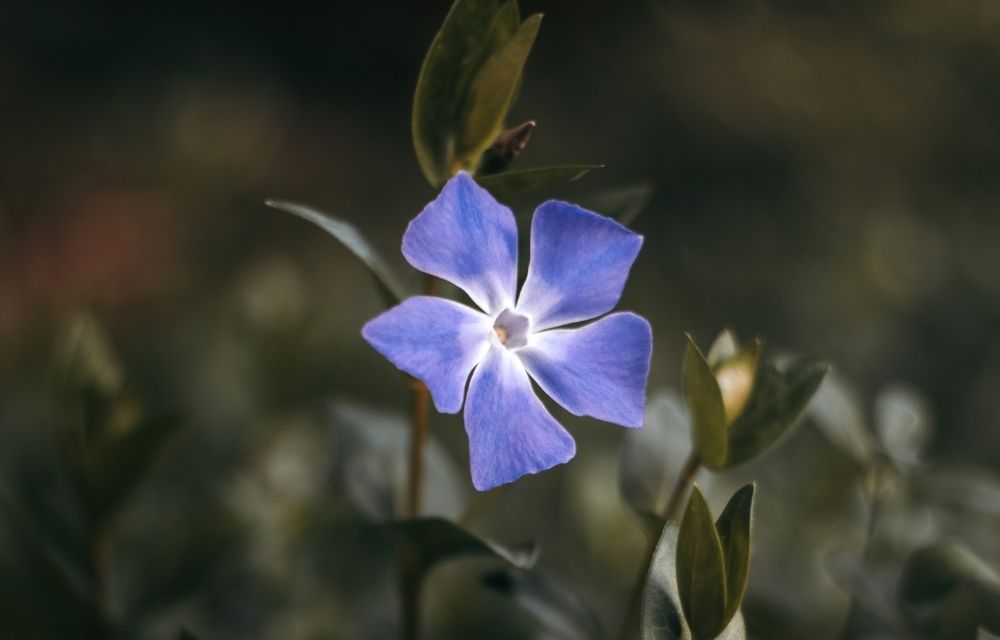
x: 470, y: 240
x: 510, y: 432
x: 434, y: 340
x: 599, y: 370
x: 579, y: 264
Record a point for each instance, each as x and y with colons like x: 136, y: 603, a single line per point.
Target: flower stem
x: 420, y: 411
x: 630, y: 624
x: 420, y: 415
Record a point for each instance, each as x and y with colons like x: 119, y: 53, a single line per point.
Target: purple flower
x: 579, y: 264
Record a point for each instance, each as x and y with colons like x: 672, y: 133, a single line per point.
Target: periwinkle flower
x: 579, y: 264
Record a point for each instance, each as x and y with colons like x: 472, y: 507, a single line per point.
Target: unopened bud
x: 735, y: 372
x: 508, y: 146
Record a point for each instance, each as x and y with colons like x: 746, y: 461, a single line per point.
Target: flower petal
x: 510, y: 431
x: 470, y: 240
x: 579, y: 264
x: 599, y: 370
x: 435, y: 340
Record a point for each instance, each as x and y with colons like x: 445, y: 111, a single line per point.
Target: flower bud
x: 735, y: 369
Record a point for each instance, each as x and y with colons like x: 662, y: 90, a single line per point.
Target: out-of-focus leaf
x: 652, y: 457
x: 374, y: 449
x: 736, y: 376
x: 185, y: 634
x: 83, y: 357
x: 733, y: 526
x: 560, y: 610
x: 511, y: 183
x: 704, y: 400
x: 117, y: 465
x: 623, y: 204
x: 949, y: 588
x: 425, y: 542
x: 182, y: 562
x: 470, y: 33
x: 902, y: 424
x: 701, y: 570
x: 778, y: 400
x: 491, y: 93
x: 965, y: 489
x: 931, y: 573
x: 661, y: 609
x: 838, y: 413
x: 392, y: 292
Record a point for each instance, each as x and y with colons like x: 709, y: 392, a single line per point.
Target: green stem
x: 420, y: 412
x: 420, y: 415
x: 630, y: 624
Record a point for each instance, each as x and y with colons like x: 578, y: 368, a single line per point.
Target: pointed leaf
x: 661, y: 610
x: 453, y: 59
x: 734, y: 534
x: 777, y: 403
x: 425, y: 542
x: 562, y: 612
x: 392, y: 292
x: 491, y: 94
x: 510, y: 183
x: 708, y: 416
x: 701, y: 572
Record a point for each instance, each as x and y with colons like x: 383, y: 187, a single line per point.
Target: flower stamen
x: 512, y: 329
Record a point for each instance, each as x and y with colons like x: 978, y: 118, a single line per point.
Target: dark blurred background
x: 823, y: 176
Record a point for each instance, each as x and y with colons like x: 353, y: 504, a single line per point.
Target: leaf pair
x: 740, y: 408
x: 699, y: 573
x: 468, y: 81
x: 713, y: 560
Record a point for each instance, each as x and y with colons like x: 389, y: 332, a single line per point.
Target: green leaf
x: 661, y: 611
x: 701, y: 571
x: 775, y: 406
x: 510, y: 183
x: 562, y: 612
x: 392, y: 292
x: 708, y: 416
x: 455, y: 56
x: 734, y: 535
x: 426, y: 542
x: 491, y: 95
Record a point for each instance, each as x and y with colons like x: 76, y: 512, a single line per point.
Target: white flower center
x: 512, y: 329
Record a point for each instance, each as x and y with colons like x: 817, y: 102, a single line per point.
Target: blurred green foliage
x: 182, y: 454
